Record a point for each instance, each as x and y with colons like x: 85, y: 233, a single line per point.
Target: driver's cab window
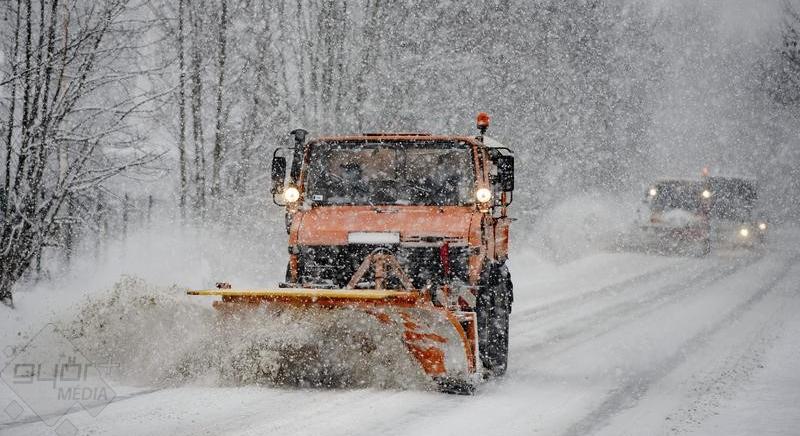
x: 390, y: 173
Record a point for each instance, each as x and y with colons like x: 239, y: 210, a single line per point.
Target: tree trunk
x: 5, y: 203
x: 6, y: 286
x: 125, y: 216
x: 182, y: 111
x: 26, y: 97
x: 218, y: 130
x: 197, y: 119
x: 69, y: 234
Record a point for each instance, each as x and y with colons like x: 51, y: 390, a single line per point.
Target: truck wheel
x: 493, y: 310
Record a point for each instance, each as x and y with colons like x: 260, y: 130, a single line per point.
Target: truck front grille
x: 334, y: 265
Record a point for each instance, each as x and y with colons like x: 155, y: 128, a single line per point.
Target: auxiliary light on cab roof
x: 482, y: 121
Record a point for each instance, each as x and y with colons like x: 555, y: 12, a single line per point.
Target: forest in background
x: 112, y: 111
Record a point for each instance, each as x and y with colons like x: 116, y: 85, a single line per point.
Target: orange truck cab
x: 438, y: 204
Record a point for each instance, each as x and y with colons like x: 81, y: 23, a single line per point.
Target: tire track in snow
x: 575, y: 331
x: 632, y: 392
x: 611, y: 289
x: 739, y: 364
x: 33, y: 419
x: 309, y: 411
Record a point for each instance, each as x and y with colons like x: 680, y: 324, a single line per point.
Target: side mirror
x: 505, y: 172
x: 278, y: 173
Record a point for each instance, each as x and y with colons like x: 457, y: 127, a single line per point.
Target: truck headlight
x: 483, y: 195
x: 744, y: 232
x: 653, y: 192
x: 762, y: 226
x: 706, y: 193
x: 291, y: 194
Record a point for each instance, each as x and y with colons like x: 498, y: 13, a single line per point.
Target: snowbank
x: 581, y: 225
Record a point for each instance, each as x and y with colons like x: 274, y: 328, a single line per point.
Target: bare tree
x: 71, y: 131
x: 784, y: 77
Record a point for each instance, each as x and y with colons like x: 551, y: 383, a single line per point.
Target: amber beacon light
x: 482, y: 121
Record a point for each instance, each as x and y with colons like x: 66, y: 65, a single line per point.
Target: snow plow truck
x: 409, y: 229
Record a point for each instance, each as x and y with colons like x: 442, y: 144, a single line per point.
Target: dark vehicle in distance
x: 677, y: 219
x: 733, y: 213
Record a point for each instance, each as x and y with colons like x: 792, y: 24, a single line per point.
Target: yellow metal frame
x: 365, y: 294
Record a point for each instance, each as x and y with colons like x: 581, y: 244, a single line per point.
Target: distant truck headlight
x: 706, y: 193
x: 744, y: 232
x: 483, y: 195
x: 291, y: 194
x: 762, y: 226
x: 653, y: 192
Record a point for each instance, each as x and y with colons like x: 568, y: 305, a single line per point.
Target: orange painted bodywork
x: 293, y: 267
x: 501, y: 233
x: 331, y: 225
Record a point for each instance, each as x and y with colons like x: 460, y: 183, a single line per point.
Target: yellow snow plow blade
x: 313, y: 294
x: 442, y: 341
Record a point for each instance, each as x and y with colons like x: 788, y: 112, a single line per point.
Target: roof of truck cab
x: 487, y: 141
x: 675, y: 181
x: 492, y: 143
x: 395, y: 137
x: 739, y: 179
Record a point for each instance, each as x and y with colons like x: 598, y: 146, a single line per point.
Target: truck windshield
x: 677, y: 195
x: 733, y: 199
x: 400, y: 173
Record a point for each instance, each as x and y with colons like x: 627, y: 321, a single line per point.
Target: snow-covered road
x: 610, y: 344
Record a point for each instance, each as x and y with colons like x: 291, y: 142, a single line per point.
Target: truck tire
x: 705, y: 248
x: 493, y: 309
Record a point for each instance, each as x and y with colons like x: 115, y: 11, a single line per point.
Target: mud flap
x: 456, y: 386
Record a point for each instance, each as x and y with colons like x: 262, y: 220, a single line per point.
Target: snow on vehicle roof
x: 744, y: 179
x: 492, y: 143
x: 488, y: 141
x: 675, y: 180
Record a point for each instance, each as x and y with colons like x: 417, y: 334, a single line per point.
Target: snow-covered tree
x: 68, y: 109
